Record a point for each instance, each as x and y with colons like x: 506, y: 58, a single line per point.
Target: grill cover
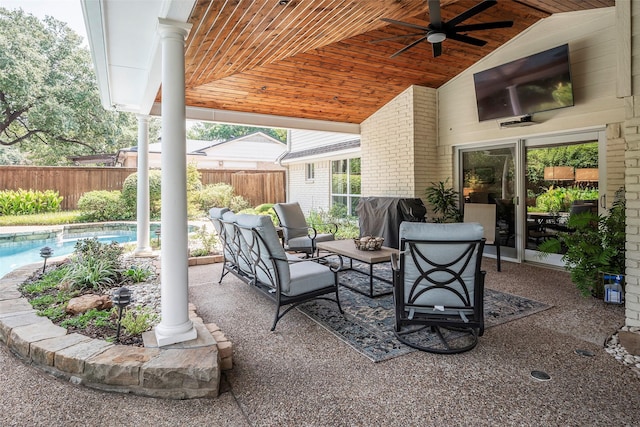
x: 381, y: 216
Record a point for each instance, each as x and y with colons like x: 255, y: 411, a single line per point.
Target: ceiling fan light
x: 436, y: 37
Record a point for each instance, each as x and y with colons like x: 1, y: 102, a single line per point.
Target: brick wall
x: 312, y: 195
x: 398, y: 145
x: 632, y: 187
x: 615, y: 161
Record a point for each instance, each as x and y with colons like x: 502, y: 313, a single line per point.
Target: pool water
x: 14, y: 255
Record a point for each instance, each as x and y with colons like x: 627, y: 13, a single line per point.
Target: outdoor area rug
x: 367, y: 324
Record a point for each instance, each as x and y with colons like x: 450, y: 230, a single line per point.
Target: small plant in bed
x: 94, y: 269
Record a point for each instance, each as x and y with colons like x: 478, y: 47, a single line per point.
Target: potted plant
x: 593, y: 245
x: 444, y: 201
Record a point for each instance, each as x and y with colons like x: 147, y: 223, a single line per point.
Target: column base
x: 164, y: 340
x: 143, y: 252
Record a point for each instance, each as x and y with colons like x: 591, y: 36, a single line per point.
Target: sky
x: 68, y: 11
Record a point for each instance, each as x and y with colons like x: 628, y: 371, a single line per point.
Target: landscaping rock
x: 84, y: 303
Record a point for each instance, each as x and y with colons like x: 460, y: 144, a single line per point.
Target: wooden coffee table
x: 346, y: 248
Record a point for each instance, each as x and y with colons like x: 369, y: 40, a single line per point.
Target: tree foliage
x: 49, y: 101
x: 221, y: 132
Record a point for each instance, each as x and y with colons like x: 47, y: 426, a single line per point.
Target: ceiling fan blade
x: 404, y: 24
x: 437, y: 49
x: 485, y: 26
x: 409, y: 46
x: 466, y: 39
x: 480, y: 7
x: 396, y: 37
x: 434, y: 14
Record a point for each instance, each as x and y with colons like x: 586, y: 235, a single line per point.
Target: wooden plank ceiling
x: 314, y: 58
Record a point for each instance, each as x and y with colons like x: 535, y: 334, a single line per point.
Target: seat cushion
x: 304, y: 243
x: 309, y: 276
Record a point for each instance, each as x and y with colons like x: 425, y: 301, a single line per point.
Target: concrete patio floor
x: 302, y: 375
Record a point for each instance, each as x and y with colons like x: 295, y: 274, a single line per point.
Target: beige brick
x: 226, y: 363
x: 225, y: 349
x: 212, y: 327
x: 219, y: 336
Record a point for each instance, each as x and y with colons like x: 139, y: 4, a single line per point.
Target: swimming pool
x: 18, y: 253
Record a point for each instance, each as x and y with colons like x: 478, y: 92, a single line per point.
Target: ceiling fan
x: 438, y: 31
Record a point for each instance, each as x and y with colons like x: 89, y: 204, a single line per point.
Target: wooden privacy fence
x: 72, y: 182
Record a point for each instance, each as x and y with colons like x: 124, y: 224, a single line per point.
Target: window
x: 310, y: 171
x: 345, y: 186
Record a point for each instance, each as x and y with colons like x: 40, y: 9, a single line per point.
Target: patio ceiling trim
x: 125, y: 48
x: 262, y: 120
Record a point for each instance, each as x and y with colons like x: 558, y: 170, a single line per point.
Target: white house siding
x: 397, y: 143
x: 241, y: 150
x: 302, y: 140
x: 313, y: 194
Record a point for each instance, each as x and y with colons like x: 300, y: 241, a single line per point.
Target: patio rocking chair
x: 298, y: 236
x: 439, y: 287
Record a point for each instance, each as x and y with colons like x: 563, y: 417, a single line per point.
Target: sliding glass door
x: 488, y: 175
x: 563, y: 175
x: 535, y: 184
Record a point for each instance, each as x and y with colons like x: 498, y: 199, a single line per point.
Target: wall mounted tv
x: 529, y: 85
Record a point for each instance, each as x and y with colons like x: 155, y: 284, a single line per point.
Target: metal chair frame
x: 413, y: 317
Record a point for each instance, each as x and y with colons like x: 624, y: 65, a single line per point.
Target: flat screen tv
x: 529, y: 85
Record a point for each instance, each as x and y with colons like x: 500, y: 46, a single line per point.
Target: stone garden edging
x: 179, y: 371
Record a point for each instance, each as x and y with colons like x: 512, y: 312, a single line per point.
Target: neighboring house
x: 256, y: 151
x: 324, y: 170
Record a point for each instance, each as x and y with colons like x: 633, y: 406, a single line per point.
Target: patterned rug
x: 367, y: 324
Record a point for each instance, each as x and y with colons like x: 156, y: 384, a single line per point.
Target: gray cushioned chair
x: 298, y: 235
x: 439, y: 287
x: 289, y: 281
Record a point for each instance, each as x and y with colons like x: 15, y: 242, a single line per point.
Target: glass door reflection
x: 489, y: 176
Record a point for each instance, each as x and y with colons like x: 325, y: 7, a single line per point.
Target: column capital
x: 143, y: 117
x: 169, y: 27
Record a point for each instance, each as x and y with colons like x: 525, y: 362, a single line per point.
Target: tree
x: 49, y: 101
x: 221, y: 132
x: 12, y: 156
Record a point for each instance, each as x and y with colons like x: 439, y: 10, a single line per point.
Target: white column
x: 175, y: 325
x: 143, y: 249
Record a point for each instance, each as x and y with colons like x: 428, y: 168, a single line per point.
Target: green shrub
x: 205, y: 242
x: 103, y: 205
x: 93, y: 248
x: 594, y: 244
x: 23, y: 202
x: 559, y: 199
x: 194, y: 183
x: 220, y: 195
x: 93, y: 316
x: 47, y: 281
x: 137, y: 273
x: 91, y: 273
x: 348, y: 226
x: 137, y: 321
x: 130, y: 194
x: 94, y: 265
